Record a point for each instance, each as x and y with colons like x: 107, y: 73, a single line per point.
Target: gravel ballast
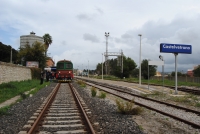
x: 19, y: 114
x: 109, y: 120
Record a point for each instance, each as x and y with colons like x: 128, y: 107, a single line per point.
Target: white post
x: 140, y: 61
x: 148, y: 74
x: 88, y: 68
x: 161, y: 57
x: 82, y: 71
x: 106, y: 56
x: 102, y: 66
x: 175, y: 54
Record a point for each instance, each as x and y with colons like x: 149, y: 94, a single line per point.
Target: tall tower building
x: 30, y: 39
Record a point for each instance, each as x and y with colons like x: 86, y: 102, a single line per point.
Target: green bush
x: 93, y: 91
x: 35, y: 72
x: 102, y: 95
x: 125, y: 107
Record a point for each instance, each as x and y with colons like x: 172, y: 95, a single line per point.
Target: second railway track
x: 182, y: 114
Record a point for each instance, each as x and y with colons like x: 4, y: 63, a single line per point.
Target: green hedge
x: 35, y: 73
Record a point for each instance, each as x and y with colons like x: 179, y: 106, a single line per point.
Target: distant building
x: 158, y: 74
x: 50, y: 63
x: 190, y: 71
x: 30, y: 39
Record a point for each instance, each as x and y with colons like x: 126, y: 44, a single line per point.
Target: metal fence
x: 180, y: 79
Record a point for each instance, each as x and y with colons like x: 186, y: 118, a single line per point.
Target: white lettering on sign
x: 176, y: 47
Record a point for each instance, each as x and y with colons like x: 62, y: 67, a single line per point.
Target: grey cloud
x: 99, y: 10
x: 90, y: 37
x: 84, y: 17
x: 64, y: 43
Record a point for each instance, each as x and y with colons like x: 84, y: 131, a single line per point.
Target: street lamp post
x: 106, y: 56
x: 140, y: 61
x: 102, y: 66
x: 11, y: 56
x: 88, y: 68
x: 77, y: 73
x: 82, y: 71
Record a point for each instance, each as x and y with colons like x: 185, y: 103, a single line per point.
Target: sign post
x: 175, y: 48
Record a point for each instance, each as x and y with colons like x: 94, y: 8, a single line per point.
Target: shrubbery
x: 126, y: 107
x: 93, y: 91
x: 102, y: 95
x: 35, y: 72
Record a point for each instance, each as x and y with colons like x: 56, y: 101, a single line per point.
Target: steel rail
x: 161, y: 102
x: 159, y: 111
x: 37, y: 122
x: 90, y: 127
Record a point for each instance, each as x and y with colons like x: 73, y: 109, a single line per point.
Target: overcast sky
x: 78, y: 28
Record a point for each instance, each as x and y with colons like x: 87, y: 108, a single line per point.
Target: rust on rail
x: 34, y: 128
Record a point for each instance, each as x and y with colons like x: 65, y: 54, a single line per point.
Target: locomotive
x: 64, y: 71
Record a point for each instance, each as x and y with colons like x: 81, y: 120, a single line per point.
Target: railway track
x: 179, y: 88
x: 62, y: 112
x: 183, y: 114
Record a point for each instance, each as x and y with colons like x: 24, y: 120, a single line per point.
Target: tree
x: 5, y: 52
x: 178, y: 74
x: 196, y: 72
x: 144, y: 69
x: 128, y: 66
x: 47, y: 41
x: 99, y: 68
x: 135, y: 72
x: 34, y: 53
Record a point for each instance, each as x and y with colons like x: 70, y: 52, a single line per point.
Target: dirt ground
x: 151, y: 122
x: 154, y: 123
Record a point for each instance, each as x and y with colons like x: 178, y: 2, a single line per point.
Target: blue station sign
x: 175, y: 48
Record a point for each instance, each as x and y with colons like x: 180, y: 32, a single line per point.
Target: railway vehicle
x: 64, y: 71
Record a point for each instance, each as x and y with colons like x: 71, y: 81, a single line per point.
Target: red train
x: 64, y: 70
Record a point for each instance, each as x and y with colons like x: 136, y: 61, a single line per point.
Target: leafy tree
x: 178, y: 74
x: 196, y: 72
x: 47, y: 41
x: 144, y: 69
x: 128, y: 66
x: 34, y: 53
x: 5, y: 52
x: 135, y: 72
x: 99, y: 68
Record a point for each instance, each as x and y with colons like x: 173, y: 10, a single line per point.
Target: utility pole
x: 11, y: 55
x: 106, y: 56
x: 140, y: 61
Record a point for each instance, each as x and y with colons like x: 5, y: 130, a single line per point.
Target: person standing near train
x: 41, y: 77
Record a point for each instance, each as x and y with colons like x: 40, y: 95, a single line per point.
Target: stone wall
x: 11, y: 72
